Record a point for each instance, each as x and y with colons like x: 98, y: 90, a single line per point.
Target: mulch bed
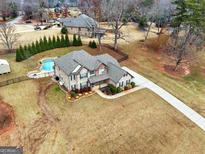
x: 106, y: 90
x: 7, y: 118
x: 181, y: 70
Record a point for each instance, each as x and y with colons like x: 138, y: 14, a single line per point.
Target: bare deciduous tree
x: 185, y: 41
x: 8, y: 36
x: 114, y: 11
x: 159, y: 13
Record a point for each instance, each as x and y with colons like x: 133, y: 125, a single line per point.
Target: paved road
x: 16, y: 20
x: 172, y: 100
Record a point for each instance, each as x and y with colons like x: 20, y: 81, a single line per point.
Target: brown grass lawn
x: 190, y: 89
x: 138, y: 123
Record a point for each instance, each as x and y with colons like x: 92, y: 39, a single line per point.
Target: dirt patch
x: 181, y: 71
x: 7, y: 118
x: 37, y: 134
x: 44, y: 85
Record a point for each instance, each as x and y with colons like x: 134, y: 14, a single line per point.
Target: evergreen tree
x: 67, y: 41
x: 41, y: 45
x: 94, y: 45
x: 45, y: 42
x: 21, y: 53
x: 18, y: 55
x: 75, y: 42
x: 25, y: 52
x: 64, y: 30
x: 79, y: 41
x: 50, y: 43
x: 58, y: 42
x: 63, y: 43
x: 29, y: 51
x: 54, y: 42
x: 38, y: 48
x: 33, y: 48
x: 90, y: 44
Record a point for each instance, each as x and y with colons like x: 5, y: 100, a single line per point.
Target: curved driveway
x: 172, y: 100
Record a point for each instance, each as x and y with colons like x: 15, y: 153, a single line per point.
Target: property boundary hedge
x: 45, y: 44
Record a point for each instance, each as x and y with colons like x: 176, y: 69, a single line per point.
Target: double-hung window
x: 85, y: 75
x: 72, y: 77
x: 92, y: 73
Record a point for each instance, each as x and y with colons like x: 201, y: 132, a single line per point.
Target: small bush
x: 119, y: 90
x: 64, y: 31
x: 73, y: 94
x: 126, y: 88
x: 112, y: 88
x: 133, y: 84
x: 92, y: 44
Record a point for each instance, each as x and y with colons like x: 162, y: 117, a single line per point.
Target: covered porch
x: 97, y: 82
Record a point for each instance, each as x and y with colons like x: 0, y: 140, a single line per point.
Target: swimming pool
x: 47, y: 65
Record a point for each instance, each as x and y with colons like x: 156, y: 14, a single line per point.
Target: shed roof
x: 3, y: 62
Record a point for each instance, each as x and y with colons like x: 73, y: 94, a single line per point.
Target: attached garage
x: 4, y: 67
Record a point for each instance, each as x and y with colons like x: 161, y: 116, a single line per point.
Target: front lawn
x: 140, y: 122
x: 190, y: 89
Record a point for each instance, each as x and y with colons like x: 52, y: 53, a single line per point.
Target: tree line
x: 44, y: 44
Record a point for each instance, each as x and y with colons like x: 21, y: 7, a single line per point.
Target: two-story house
x: 79, y: 69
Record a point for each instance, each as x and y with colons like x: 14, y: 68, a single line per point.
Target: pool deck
x: 36, y: 74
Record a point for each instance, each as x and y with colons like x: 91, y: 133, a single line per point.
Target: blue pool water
x: 47, y: 65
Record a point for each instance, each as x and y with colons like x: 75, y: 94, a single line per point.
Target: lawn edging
x: 123, y: 93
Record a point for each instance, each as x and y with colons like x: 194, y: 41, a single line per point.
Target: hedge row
x: 44, y: 44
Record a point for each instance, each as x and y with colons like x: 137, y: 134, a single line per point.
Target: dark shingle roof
x: 69, y: 62
x: 105, y: 59
x: 80, y: 21
x: 115, y: 72
x: 95, y: 79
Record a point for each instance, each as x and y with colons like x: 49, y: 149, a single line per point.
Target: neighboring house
x: 4, y: 67
x: 79, y: 69
x: 81, y: 25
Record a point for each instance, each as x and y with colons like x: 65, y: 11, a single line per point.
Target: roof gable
x: 80, y: 21
x: 115, y: 72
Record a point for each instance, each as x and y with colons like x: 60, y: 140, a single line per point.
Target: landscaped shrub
x: 133, y: 84
x: 44, y: 44
x: 126, y: 88
x: 112, y: 88
x: 64, y: 30
x: 73, y: 94
x: 92, y: 44
x: 119, y: 90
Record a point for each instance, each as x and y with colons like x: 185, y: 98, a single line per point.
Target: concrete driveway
x: 172, y: 100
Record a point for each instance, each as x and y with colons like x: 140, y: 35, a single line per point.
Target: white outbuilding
x: 4, y: 67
